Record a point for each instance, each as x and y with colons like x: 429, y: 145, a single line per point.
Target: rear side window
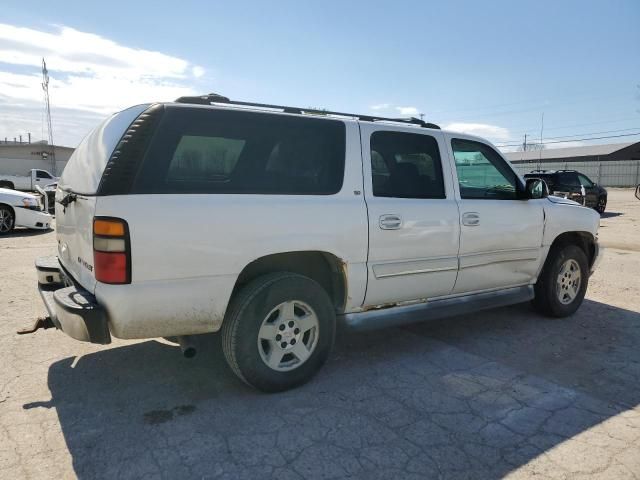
x: 209, y: 157
x: 218, y: 151
x: 406, y: 165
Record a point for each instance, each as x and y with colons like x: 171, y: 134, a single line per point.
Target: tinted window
x: 406, y: 165
x: 482, y: 172
x: 584, y: 181
x: 41, y: 174
x: 199, y: 157
x: 569, y: 179
x: 214, y: 151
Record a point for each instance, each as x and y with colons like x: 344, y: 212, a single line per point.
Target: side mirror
x: 536, y: 188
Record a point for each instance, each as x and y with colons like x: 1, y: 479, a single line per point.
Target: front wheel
x: 7, y: 220
x: 563, y: 282
x: 278, y: 331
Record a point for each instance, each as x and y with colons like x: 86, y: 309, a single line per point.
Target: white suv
x: 273, y: 223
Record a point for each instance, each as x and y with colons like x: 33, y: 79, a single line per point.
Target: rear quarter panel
x: 188, y: 250
x: 74, y: 223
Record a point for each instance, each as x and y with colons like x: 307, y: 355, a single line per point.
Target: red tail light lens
x: 111, y: 250
x: 110, y: 267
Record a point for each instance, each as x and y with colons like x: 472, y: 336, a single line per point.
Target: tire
x: 7, y: 220
x: 255, y: 319
x: 602, y: 205
x: 8, y: 185
x: 556, y: 294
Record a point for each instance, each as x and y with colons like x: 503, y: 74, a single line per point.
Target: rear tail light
x: 111, y: 250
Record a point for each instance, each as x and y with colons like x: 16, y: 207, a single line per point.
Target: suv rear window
x: 569, y: 179
x: 219, y: 151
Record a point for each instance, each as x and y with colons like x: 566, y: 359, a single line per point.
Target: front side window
x: 41, y: 174
x: 482, y: 172
x: 218, y: 151
x: 584, y: 181
x: 406, y: 165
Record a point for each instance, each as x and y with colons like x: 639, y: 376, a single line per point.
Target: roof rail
x: 215, y: 98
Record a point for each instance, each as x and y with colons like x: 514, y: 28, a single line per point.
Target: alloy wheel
x: 288, y: 335
x: 568, y: 281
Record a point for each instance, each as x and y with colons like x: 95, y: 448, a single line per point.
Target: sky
x: 489, y: 68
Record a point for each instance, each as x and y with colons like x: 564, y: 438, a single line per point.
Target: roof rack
x: 215, y: 98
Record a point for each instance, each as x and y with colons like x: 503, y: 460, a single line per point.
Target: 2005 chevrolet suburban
x: 273, y: 223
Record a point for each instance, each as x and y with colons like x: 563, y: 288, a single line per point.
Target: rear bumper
x: 72, y: 309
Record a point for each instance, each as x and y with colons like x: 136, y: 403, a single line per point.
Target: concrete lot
x: 499, y: 393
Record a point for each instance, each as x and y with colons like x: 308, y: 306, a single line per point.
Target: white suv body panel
x: 501, y: 247
x: 187, y: 254
x: 418, y: 259
x: 74, y: 224
x: 187, y: 250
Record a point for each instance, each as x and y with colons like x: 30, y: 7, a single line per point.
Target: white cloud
x: 197, y: 71
x: 380, y: 106
x: 87, y: 73
x: 407, y: 111
x: 491, y: 132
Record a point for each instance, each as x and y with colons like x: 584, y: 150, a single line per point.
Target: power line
x: 594, y: 133
x: 579, y: 135
x: 537, y: 103
x: 572, y: 140
x: 529, y: 130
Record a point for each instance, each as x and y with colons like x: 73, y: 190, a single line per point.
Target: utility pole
x: 524, y: 145
x: 45, y: 88
x: 541, y: 146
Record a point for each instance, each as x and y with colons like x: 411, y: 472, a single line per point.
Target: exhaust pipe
x: 186, y: 345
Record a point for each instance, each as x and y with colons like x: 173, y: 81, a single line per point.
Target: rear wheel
x: 7, y: 220
x: 278, y: 331
x: 563, y: 282
x: 6, y: 184
x: 602, y: 205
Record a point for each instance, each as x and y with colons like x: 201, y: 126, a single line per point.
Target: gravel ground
x: 500, y: 393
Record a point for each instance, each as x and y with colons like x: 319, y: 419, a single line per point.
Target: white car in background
x: 19, y: 209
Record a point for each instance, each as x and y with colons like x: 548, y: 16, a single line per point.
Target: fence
x: 616, y: 173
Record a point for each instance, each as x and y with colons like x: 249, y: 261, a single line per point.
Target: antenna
x: 45, y: 88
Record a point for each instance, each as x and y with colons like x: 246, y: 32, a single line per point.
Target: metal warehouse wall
x: 13, y: 166
x: 617, y: 173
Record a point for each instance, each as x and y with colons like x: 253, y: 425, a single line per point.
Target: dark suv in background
x: 573, y: 185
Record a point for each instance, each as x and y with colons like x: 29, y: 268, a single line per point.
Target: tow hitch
x: 39, y: 323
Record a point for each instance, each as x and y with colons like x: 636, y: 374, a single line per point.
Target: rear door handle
x: 390, y: 222
x: 471, y: 219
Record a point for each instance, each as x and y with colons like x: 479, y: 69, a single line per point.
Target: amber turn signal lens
x: 110, y: 228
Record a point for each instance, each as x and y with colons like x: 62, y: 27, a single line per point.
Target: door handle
x: 471, y: 219
x: 390, y: 222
